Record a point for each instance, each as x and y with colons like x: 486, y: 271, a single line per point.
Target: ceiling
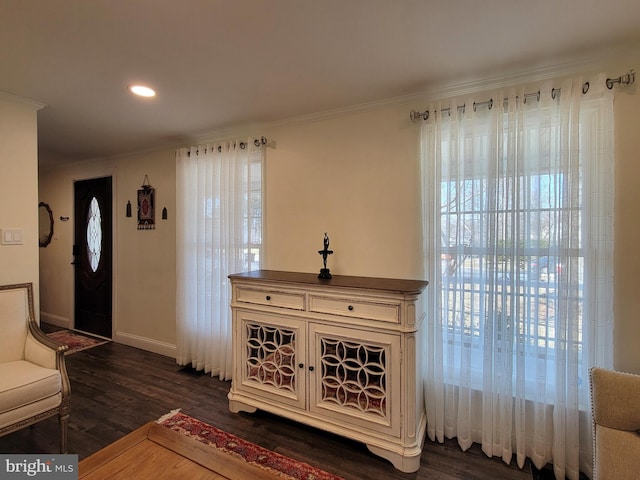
x: 221, y: 64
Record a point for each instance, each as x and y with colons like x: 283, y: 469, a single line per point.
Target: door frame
x: 98, y: 173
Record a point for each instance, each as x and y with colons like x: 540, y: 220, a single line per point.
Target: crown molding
x: 25, y: 101
x: 615, y: 60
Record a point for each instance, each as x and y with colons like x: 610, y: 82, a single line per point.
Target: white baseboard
x: 148, y: 344
x: 56, y: 320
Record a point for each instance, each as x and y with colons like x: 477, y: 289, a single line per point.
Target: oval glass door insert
x: 94, y: 234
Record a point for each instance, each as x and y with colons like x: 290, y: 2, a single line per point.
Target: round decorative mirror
x: 45, y: 224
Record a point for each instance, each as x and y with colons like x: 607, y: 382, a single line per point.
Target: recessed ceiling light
x: 142, y: 91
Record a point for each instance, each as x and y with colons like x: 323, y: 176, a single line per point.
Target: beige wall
x: 19, y: 190
x: 143, y: 261
x: 355, y: 176
x: 626, y: 335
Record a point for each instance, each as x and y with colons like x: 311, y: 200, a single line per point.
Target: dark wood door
x: 92, y: 251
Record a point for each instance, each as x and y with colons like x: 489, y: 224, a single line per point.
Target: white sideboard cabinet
x: 340, y: 355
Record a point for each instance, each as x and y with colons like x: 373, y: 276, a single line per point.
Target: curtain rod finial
x: 624, y: 80
x: 414, y: 115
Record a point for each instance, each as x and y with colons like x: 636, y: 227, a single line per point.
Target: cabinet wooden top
x: 394, y: 285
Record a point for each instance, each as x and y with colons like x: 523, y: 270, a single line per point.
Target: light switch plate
x: 11, y: 236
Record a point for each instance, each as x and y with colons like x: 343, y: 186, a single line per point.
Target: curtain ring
x: 219, y: 148
x: 488, y: 103
x: 585, y: 87
x: 243, y: 145
x: 256, y: 142
x: 554, y: 92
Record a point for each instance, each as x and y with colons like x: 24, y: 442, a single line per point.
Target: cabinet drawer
x: 273, y: 298
x: 386, y: 312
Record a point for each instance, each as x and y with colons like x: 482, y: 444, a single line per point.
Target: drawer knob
x: 350, y: 308
x: 311, y: 368
x: 301, y: 365
x: 268, y: 297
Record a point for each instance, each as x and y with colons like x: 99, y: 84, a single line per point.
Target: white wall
x: 19, y: 190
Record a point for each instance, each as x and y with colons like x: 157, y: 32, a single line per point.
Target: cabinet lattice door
x: 354, y: 375
x: 271, y: 355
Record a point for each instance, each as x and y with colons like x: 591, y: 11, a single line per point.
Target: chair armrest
x: 46, y: 352
x: 42, y: 350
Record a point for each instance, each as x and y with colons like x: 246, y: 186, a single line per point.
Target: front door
x: 92, y: 251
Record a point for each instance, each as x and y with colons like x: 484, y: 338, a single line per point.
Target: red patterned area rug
x: 281, y: 465
x: 75, y: 341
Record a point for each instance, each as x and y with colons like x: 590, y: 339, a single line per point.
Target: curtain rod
x: 258, y: 142
x: 623, y: 80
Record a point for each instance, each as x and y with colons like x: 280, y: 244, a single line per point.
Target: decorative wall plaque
x: 146, y: 206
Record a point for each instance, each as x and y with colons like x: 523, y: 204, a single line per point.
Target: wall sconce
x: 129, y: 208
x: 164, y: 213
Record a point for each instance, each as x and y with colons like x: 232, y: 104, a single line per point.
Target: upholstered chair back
x: 615, y: 403
x: 14, y: 322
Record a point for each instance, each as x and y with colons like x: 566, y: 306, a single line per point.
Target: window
x: 219, y: 192
x: 501, y: 258
x: 248, y: 205
x: 518, y: 217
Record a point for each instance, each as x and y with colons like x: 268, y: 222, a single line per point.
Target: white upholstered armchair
x: 33, y: 378
x: 615, y: 407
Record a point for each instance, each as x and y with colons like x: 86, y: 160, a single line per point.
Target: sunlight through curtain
x: 518, y: 222
x: 219, y: 192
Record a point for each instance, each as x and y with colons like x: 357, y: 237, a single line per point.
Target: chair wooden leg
x: 64, y: 424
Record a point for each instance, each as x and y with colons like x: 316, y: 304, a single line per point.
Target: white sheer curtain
x: 519, y: 247
x: 219, y: 196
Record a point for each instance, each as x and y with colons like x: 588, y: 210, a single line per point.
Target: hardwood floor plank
x: 116, y: 389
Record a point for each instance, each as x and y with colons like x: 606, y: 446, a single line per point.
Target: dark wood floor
x: 116, y: 389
